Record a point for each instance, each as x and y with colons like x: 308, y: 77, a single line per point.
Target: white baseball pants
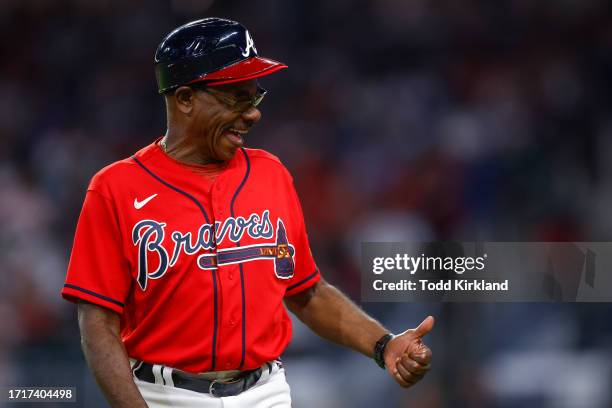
x: 270, y: 391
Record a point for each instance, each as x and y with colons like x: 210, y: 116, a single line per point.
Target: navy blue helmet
x: 214, y: 50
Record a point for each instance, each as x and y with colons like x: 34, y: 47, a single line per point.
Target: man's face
x: 217, y: 128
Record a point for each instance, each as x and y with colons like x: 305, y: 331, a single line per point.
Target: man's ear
x: 185, y: 98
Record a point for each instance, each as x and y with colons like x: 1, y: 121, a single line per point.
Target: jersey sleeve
x: 97, y: 271
x: 306, y: 271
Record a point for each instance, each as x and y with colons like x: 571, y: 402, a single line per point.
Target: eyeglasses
x: 238, y: 104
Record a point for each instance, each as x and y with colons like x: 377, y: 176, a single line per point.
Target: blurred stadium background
x: 400, y: 119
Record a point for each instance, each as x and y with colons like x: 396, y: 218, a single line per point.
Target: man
x: 185, y: 252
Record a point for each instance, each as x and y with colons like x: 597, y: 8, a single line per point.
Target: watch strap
x: 379, y: 349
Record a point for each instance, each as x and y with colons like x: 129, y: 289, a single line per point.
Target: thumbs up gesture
x: 407, y: 358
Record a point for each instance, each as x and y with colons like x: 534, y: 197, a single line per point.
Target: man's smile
x: 236, y: 136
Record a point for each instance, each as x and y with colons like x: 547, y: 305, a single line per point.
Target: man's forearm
x: 333, y: 316
x: 109, y: 363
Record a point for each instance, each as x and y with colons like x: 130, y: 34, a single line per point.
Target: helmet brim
x: 251, y: 68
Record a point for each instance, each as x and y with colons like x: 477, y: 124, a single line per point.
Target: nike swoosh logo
x: 139, y: 204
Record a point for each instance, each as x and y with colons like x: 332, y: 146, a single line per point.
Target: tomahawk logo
x: 281, y: 253
x: 250, y: 45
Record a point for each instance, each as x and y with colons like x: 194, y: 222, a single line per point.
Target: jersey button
x: 228, y: 365
x: 230, y: 276
x: 232, y: 322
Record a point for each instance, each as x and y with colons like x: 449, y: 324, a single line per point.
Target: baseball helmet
x: 214, y: 50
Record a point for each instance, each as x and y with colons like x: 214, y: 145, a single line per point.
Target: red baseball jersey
x: 196, y: 267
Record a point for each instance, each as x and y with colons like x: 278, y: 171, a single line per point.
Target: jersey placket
x: 229, y: 298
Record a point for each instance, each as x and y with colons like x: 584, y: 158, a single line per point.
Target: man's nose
x: 251, y: 115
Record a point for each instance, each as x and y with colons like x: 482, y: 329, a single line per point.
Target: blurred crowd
x: 399, y: 119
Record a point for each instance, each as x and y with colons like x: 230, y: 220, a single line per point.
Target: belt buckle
x: 211, y: 387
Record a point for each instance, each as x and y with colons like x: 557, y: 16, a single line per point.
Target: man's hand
x: 407, y: 358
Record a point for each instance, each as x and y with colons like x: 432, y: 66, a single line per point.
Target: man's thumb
x: 425, y: 327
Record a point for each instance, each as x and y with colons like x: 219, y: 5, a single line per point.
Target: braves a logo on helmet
x: 149, y: 236
x: 250, y: 45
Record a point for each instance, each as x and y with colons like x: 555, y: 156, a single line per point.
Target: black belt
x: 217, y: 388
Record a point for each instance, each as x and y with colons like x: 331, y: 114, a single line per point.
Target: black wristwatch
x: 379, y: 349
